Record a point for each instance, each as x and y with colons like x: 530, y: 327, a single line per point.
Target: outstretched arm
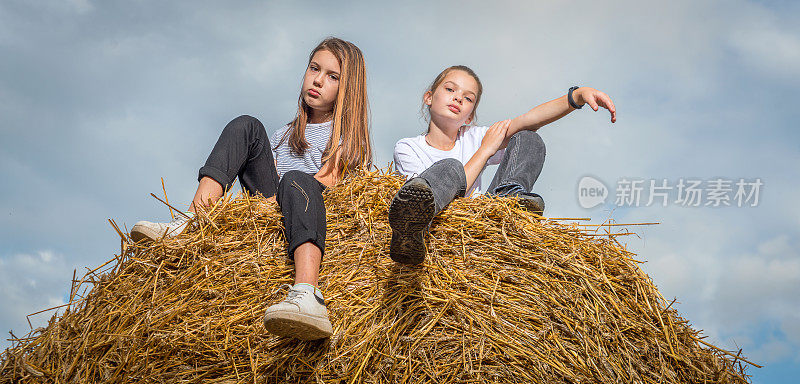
x: 555, y: 109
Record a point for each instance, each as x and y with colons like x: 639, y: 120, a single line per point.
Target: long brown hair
x: 425, y: 110
x: 350, y: 112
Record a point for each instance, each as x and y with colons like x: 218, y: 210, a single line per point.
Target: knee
x: 453, y: 164
x: 529, y: 140
x: 444, y: 169
x: 247, y: 125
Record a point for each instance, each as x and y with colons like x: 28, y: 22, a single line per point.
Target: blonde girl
x: 447, y: 161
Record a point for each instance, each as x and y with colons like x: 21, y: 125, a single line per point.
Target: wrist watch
x: 571, y: 100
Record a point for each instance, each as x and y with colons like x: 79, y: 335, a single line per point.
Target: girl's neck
x: 317, y: 117
x: 442, y: 138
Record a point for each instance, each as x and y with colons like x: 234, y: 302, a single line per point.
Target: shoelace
x: 180, y: 219
x: 294, y: 295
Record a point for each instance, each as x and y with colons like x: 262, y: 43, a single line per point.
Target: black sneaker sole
x: 410, y: 214
x: 532, y: 206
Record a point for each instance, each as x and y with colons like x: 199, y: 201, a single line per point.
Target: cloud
x: 99, y: 100
x: 768, y: 42
x: 727, y: 284
x: 30, y: 283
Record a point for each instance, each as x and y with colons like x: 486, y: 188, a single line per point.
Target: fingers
x: 592, y: 103
x: 607, y: 103
x: 599, y: 99
x: 501, y: 125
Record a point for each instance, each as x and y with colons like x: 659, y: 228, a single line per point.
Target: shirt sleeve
x: 406, y: 161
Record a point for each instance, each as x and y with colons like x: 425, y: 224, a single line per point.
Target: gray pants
x: 518, y: 171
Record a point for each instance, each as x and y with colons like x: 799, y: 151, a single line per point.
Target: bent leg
x: 242, y: 150
x: 300, y: 199
x: 303, y: 313
x: 521, y: 164
x: 447, y: 180
x: 417, y: 202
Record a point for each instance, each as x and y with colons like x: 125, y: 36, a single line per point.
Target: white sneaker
x: 154, y: 231
x: 301, y: 315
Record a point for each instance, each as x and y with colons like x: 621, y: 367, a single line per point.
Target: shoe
x: 532, y: 202
x: 145, y: 230
x: 302, y: 315
x: 410, y: 214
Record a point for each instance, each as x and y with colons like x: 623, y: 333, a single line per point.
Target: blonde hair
x: 350, y: 112
x: 425, y: 109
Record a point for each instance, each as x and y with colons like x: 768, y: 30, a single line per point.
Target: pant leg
x: 447, y: 180
x: 521, y: 164
x: 243, y: 150
x: 300, y: 199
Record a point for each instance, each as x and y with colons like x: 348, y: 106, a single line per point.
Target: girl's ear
x: 428, y: 98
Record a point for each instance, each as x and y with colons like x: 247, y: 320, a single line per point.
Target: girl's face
x: 321, y: 83
x: 454, y: 99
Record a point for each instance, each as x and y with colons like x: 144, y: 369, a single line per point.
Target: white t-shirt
x: 317, y: 136
x: 413, y: 155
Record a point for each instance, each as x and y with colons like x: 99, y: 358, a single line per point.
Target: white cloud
x: 767, y: 41
x: 728, y: 282
x: 147, y: 97
x: 31, y: 282
x: 773, y: 350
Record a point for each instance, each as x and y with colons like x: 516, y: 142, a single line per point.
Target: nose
x: 457, y: 98
x: 318, y: 79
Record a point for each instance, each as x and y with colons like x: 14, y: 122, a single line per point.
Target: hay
x: 502, y: 297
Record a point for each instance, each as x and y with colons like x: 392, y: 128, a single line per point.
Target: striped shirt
x: 317, y: 136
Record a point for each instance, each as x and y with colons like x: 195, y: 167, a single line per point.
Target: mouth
x: 313, y: 93
x: 454, y: 108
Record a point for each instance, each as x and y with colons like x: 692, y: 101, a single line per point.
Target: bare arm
x: 555, y: 109
x: 329, y: 174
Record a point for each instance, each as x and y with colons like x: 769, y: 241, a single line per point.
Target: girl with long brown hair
x: 327, y: 139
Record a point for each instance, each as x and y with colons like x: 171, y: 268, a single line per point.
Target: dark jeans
x: 521, y: 165
x: 243, y: 150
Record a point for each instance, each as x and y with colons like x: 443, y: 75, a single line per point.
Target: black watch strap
x: 571, y: 100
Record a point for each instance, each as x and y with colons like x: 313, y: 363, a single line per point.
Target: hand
x: 495, y: 137
x: 595, y: 99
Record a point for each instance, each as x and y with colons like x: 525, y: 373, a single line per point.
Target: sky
x: 100, y: 100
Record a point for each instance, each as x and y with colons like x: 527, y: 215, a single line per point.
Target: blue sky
x: 99, y: 100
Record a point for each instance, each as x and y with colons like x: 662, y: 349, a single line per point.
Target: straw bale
x: 504, y: 296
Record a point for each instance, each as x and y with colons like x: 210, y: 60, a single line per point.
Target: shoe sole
x: 298, y: 326
x: 531, y: 206
x: 140, y: 233
x: 410, y: 214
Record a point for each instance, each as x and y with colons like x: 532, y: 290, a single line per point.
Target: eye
x: 448, y: 89
x: 468, y: 99
x: 313, y: 68
x: 334, y: 77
